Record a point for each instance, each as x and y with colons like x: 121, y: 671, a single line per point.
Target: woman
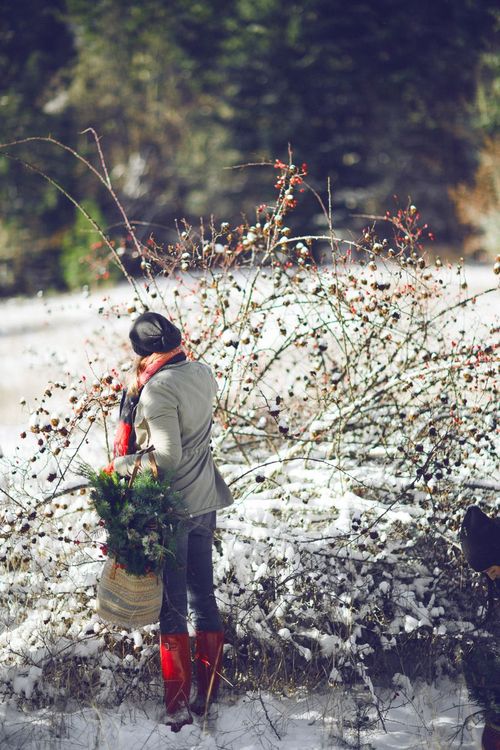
x: 168, y: 408
x: 480, y: 538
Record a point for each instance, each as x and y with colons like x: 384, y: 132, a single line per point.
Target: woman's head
x: 152, y: 332
x: 480, y: 539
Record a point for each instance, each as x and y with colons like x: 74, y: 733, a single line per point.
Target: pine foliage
x: 142, y: 521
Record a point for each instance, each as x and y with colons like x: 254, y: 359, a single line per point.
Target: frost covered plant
x: 356, y: 419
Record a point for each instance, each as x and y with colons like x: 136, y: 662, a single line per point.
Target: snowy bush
x: 356, y: 420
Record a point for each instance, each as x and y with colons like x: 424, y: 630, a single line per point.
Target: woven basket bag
x: 125, y: 599
x: 128, y: 600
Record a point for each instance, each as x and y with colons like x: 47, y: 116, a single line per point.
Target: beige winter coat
x: 174, y: 414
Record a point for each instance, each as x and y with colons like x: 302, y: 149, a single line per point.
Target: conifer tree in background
x: 36, y: 51
x: 380, y: 97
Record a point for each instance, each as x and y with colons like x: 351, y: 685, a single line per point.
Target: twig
x: 268, y: 717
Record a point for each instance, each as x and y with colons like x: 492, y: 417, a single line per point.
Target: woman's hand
x: 109, y: 469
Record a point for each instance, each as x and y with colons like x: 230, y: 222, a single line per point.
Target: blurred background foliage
x: 384, y: 98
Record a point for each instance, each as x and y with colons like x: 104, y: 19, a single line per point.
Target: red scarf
x: 124, y: 442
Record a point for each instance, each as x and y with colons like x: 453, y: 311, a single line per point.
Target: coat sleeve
x: 159, y: 415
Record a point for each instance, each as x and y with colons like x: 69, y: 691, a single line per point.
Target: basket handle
x: 137, y: 464
x: 153, y: 464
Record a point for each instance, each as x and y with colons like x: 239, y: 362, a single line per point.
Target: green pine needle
x: 142, y: 522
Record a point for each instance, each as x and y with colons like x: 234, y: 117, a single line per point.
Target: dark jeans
x: 188, y: 577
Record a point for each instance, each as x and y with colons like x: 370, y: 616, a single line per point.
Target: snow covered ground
x: 43, y: 338
x: 426, y: 716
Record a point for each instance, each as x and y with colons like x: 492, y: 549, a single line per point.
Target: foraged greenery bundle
x: 142, y: 520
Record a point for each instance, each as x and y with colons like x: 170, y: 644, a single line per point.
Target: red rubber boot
x: 175, y: 658
x: 208, y: 658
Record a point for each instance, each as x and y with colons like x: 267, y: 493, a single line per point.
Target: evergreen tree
x: 381, y: 97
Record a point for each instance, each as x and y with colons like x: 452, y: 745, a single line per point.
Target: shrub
x: 355, y: 418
